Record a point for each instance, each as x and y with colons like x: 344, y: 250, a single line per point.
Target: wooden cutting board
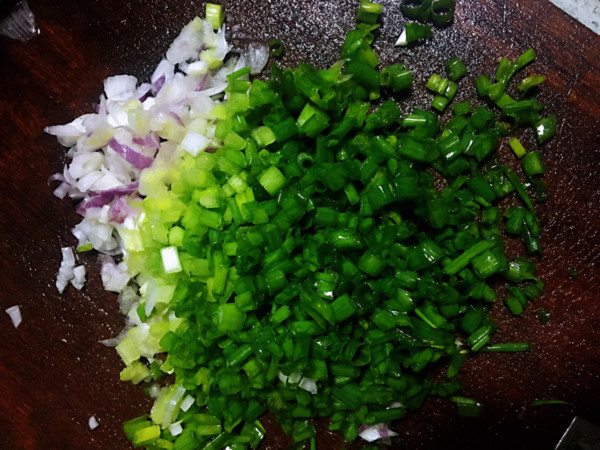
x: 54, y: 374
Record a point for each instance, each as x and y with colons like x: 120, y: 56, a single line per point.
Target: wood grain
x: 53, y: 373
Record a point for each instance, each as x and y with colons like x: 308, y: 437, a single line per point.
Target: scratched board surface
x: 53, y: 373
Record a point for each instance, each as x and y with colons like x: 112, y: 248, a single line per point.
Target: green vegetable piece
x: 455, y: 68
x: 467, y: 407
x: 276, y: 47
x: 452, y: 267
x: 437, y: 84
x: 462, y: 108
x: 439, y: 102
x: 145, y: 436
x: 508, y: 347
x: 417, y: 9
x: 532, y: 164
x: 312, y: 120
x: 368, y: 12
x: 442, y: 12
x: 531, y: 82
x: 272, y: 180
x: 396, y: 77
x: 545, y: 128
x: 229, y: 317
x: 414, y: 32
x: 214, y: 14
x: 517, y: 147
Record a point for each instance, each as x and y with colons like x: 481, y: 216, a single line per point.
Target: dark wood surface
x: 54, y: 374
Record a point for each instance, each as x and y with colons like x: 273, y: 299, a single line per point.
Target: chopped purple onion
x: 56, y: 177
x: 130, y: 155
x: 151, y: 141
x: 101, y: 198
x: 201, y: 84
x: 376, y: 432
x: 120, y: 210
x: 143, y: 91
x: 157, y: 85
x: 177, y: 118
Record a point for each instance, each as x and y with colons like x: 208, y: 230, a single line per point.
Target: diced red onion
x: 56, y: 177
x: 130, y: 155
x: 67, y: 134
x: 84, y: 163
x: 217, y: 89
x: 114, y: 276
x: 62, y: 190
x: 108, y: 180
x: 93, y: 423
x: 120, y: 87
x: 308, y: 385
x: 177, y: 118
x: 99, y: 199
x: 195, y: 68
x: 163, y: 73
x: 120, y: 210
x: 257, y: 55
x: 78, y: 280
x: 158, y: 84
x: 113, y: 342
x: 151, y: 140
x: 187, y: 45
x: 97, y: 233
x: 14, y: 313
x: 86, y: 182
x: 142, y: 91
x: 117, y: 115
x: 65, y: 271
x: 121, y: 190
x: 194, y: 143
x: 375, y: 432
x: 222, y: 47
x: 201, y: 83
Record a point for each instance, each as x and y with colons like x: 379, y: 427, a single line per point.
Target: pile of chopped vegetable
x: 299, y: 245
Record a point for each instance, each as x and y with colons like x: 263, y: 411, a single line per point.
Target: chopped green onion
x: 368, y: 12
x: 532, y: 164
x: 545, y: 128
x: 508, y: 347
x: 439, y: 102
x: 413, y: 32
x: 272, y: 180
x: 455, y: 68
x: 442, y: 12
x: 396, y: 77
x: 549, y: 402
x: 417, y: 9
x: 214, y: 14
x: 467, y: 407
x: 517, y: 147
x: 437, y: 84
x: 462, y: 108
x: 531, y: 82
x: 85, y: 248
x: 276, y: 47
